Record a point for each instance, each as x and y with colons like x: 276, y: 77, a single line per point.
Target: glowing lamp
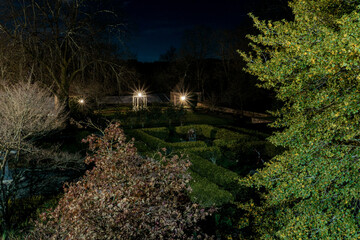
x: 81, y: 101
x: 183, y: 98
x: 139, y: 94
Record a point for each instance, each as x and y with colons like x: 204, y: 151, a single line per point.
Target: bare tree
x: 26, y: 112
x: 13, y: 63
x: 65, y: 40
x: 197, y: 46
x: 229, y: 41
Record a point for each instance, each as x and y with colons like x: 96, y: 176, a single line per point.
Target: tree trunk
x: 60, y: 98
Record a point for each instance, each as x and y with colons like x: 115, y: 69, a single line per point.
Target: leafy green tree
x: 311, y: 191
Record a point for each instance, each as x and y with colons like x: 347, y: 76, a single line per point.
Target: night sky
x: 157, y: 24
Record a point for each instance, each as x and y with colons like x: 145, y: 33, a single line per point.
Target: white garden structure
x: 139, y: 100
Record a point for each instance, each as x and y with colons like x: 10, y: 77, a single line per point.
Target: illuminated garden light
x: 139, y: 100
x: 81, y: 101
x: 183, y: 98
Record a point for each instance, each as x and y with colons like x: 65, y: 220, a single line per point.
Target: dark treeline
x: 238, y: 91
x: 81, y: 51
x: 208, y: 62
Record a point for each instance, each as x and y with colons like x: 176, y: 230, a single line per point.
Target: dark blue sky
x: 157, y: 24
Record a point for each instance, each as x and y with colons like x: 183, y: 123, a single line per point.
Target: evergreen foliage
x: 313, y: 65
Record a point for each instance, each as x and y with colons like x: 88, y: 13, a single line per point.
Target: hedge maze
x: 219, y: 156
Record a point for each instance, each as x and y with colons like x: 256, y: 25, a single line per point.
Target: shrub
x: 207, y: 131
x: 207, y: 193
x: 225, y: 143
x: 199, y: 118
x: 123, y: 197
x: 27, y: 113
x: 141, y: 147
x: 226, y: 134
x: 156, y: 143
x: 245, y: 149
x: 151, y: 141
x: 271, y: 150
x: 179, y: 145
x: 218, y: 175
x: 161, y: 132
x: 206, y: 152
x: 264, y: 147
x: 252, y: 132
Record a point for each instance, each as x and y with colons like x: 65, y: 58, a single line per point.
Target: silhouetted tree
x: 65, y: 40
x: 169, y: 56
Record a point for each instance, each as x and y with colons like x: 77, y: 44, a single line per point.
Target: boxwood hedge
x: 161, y: 132
x: 207, y: 131
x: 218, y: 175
x: 207, y: 193
x: 226, y: 134
x: 156, y: 143
x: 205, y: 152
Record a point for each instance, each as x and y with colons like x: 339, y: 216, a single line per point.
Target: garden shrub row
x: 207, y: 193
x: 181, y: 145
x: 218, y: 175
x: 205, y: 130
x: 141, y: 146
x: 151, y: 141
x: 205, y: 190
x: 209, y: 131
x: 247, y: 148
x: 226, y: 134
x: 206, y: 152
x: 156, y: 143
x: 160, y: 132
x: 225, y: 143
x: 251, y: 132
x: 265, y: 147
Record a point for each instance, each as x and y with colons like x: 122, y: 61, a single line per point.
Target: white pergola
x: 139, y: 100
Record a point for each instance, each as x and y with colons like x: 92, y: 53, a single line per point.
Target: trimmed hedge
x: 218, y: 175
x: 156, y: 143
x: 141, y: 146
x: 204, y: 191
x: 251, y: 132
x: 207, y: 131
x: 264, y: 147
x: 225, y: 143
x: 161, y: 132
x: 225, y: 134
x: 187, y: 144
x: 206, y: 152
x: 207, y: 193
x: 247, y: 149
x: 151, y: 141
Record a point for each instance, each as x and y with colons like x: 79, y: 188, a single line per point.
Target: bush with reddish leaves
x: 124, y: 197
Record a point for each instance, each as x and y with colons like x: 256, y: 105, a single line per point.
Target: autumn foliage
x: 123, y: 197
